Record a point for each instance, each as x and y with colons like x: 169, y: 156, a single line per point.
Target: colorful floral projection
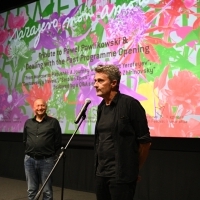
x: 49, y: 50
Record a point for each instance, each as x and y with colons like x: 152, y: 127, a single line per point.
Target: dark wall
x: 171, y: 172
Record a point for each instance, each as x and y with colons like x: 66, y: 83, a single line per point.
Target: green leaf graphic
x: 48, y: 10
x: 190, y: 37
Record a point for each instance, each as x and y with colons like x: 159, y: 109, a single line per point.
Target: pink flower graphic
x: 3, y: 36
x: 17, y: 21
x: 1, y: 50
x: 189, y: 3
x: 1, y: 21
x: 2, y: 89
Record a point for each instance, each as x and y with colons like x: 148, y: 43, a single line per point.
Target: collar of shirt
x: 45, y: 118
x: 115, y: 100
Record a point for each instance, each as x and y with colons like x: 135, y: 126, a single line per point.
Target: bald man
x: 42, y: 138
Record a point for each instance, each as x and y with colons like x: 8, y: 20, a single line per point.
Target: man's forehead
x: 39, y: 102
x: 100, y: 75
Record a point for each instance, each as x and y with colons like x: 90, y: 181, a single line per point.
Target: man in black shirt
x: 122, y: 138
x: 42, y: 138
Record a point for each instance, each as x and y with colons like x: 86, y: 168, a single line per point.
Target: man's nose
x: 95, y: 84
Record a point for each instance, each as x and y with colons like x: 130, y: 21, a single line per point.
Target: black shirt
x: 129, y: 128
x: 106, y: 153
x: 42, y: 138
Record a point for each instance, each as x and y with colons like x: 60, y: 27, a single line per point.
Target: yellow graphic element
x: 147, y: 90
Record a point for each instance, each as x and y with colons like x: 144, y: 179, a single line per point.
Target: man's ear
x: 114, y: 83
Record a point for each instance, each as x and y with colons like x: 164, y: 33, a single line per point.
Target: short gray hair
x: 111, y: 70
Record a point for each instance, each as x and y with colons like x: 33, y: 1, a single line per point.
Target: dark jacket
x: 129, y: 129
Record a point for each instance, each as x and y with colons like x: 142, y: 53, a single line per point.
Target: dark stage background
x: 171, y: 172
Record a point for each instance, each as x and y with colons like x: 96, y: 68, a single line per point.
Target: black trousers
x: 109, y: 189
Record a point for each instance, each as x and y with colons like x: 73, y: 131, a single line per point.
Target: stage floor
x: 11, y: 189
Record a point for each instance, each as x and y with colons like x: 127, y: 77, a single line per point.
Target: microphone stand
x: 37, y: 196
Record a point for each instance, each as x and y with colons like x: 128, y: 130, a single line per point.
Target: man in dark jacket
x: 122, y: 138
x: 42, y: 138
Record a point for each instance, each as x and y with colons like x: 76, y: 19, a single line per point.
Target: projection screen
x: 49, y: 49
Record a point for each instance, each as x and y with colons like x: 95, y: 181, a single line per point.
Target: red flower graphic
x: 37, y: 92
x: 184, y: 89
x: 170, y: 125
x: 179, y: 102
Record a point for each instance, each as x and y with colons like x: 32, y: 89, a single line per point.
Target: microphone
x: 82, y: 111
